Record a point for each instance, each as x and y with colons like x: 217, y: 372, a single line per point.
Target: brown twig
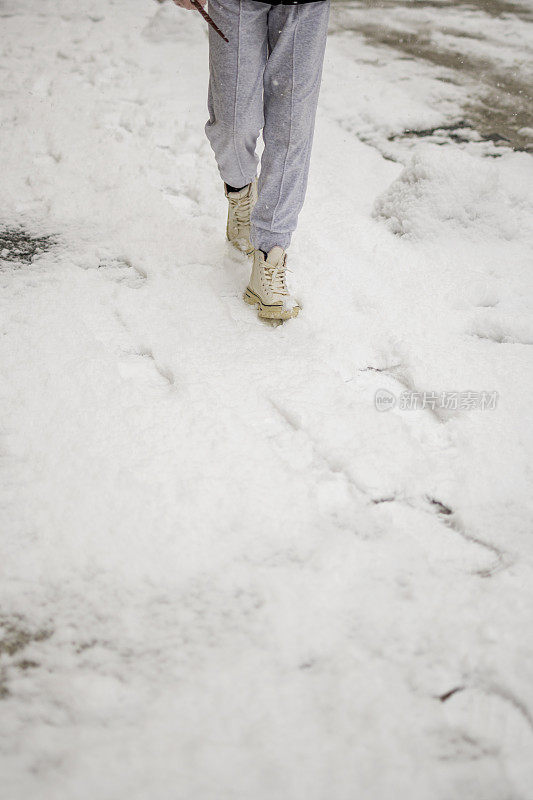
x: 207, y: 18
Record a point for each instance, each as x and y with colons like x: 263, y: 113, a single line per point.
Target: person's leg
x: 297, y: 40
x: 236, y: 86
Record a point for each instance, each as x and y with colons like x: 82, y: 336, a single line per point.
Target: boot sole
x: 247, y: 252
x: 269, y: 311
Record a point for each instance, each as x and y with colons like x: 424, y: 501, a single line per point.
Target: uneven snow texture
x: 225, y: 574
x: 443, y: 192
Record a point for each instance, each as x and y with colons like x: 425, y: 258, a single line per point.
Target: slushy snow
x: 226, y: 575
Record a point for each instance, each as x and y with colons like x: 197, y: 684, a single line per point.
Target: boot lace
x: 276, y: 277
x: 242, y: 209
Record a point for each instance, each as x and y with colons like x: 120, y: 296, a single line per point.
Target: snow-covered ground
x: 225, y: 573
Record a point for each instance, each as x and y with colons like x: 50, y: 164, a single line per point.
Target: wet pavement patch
x: 494, y: 8
x: 460, y: 132
x: 487, y: 58
x: 15, y: 636
x: 18, y: 245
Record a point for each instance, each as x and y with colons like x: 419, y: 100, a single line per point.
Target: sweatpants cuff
x: 266, y: 240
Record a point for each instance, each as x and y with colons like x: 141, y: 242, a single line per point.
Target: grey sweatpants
x: 267, y: 77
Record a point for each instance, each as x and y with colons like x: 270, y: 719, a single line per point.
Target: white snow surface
x: 444, y: 192
x: 225, y: 575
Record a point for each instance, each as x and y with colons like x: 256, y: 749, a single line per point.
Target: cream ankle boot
x: 239, y: 211
x: 267, y: 288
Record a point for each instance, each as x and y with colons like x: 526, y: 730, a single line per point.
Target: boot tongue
x: 275, y: 256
